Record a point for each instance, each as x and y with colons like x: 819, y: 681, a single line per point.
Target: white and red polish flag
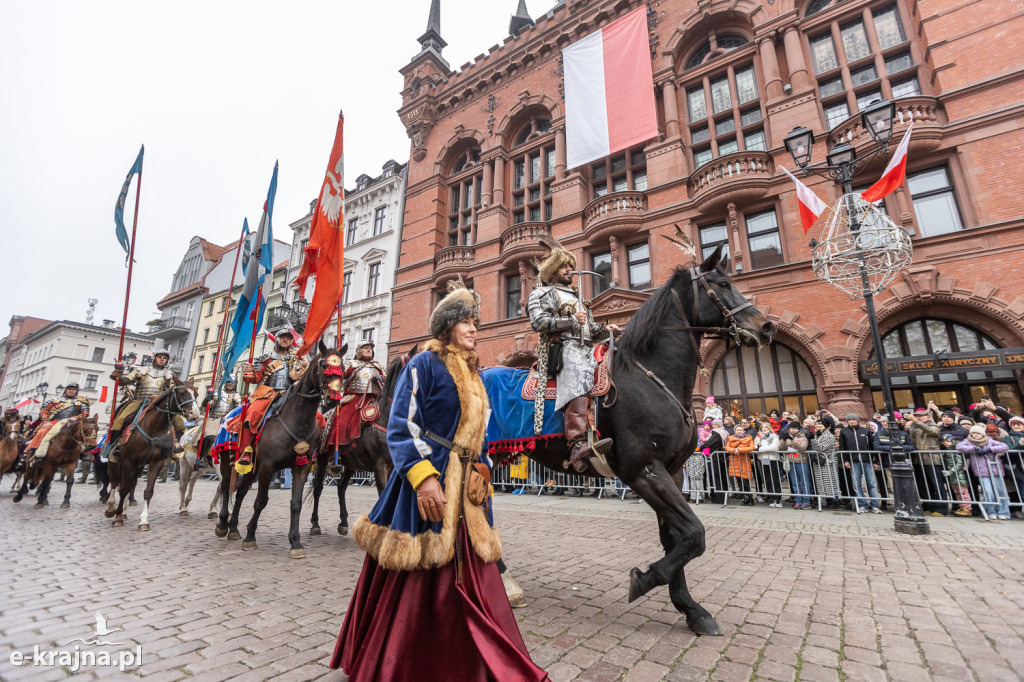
x: 895, y: 173
x: 609, y: 90
x: 810, y: 205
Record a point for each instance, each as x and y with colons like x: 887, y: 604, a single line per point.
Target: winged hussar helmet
x: 558, y: 257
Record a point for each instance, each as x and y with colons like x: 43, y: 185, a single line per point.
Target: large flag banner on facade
x: 609, y: 90
x: 810, y: 205
x: 251, y: 303
x: 325, y: 253
x: 119, y: 228
x: 895, y: 173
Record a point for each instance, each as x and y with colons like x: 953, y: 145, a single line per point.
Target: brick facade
x: 471, y: 127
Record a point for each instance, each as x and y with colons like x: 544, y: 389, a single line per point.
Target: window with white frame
x: 379, y: 218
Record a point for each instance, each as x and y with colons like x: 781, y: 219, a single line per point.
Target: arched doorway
x: 747, y: 381
x: 935, y: 336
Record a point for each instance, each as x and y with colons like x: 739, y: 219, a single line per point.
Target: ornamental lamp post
x: 861, y: 252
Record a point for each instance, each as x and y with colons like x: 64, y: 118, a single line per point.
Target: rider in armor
x: 228, y: 400
x: 364, y: 379
x: 142, y: 384
x: 559, y: 314
x: 69, y: 406
x: 278, y: 370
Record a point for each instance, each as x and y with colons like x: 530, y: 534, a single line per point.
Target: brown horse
x: 12, y: 445
x: 368, y: 453
x: 70, y: 443
x: 291, y: 422
x: 144, y: 447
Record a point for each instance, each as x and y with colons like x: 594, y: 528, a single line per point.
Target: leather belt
x: 459, y: 451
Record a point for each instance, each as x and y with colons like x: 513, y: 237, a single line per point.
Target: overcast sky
x: 217, y: 91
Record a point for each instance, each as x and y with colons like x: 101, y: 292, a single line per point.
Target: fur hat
x: 460, y: 304
x: 558, y: 257
x: 1019, y: 420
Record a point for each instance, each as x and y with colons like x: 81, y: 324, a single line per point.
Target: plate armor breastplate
x: 151, y: 383
x: 279, y: 379
x: 226, y: 403
x: 363, y: 375
x: 70, y: 408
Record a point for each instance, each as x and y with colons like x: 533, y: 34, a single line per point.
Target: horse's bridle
x: 728, y: 329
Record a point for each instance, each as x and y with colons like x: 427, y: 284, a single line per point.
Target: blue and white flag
x: 246, y: 245
x: 120, y: 231
x: 251, y: 303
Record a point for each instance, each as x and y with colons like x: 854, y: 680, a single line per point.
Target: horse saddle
x: 602, y: 382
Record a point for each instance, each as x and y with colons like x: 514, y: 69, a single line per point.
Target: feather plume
x: 682, y: 241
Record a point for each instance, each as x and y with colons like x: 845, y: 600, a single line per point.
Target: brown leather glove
x: 431, y: 500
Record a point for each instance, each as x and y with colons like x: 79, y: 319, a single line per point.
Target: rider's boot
x: 576, y: 425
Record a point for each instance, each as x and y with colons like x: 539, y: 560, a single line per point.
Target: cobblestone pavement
x: 799, y: 595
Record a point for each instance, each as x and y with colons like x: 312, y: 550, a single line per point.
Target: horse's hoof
x: 342, y: 529
x: 104, y: 498
x: 133, y: 503
x: 143, y: 526
x: 234, y: 535
x: 704, y: 625
x: 18, y: 498
x: 65, y: 505
x: 635, y: 589
x: 39, y: 505
x: 220, y: 532
x: 516, y: 598
x: 212, y: 515
x: 117, y: 523
x: 295, y: 553
x: 249, y: 545
x: 315, y: 530
x: 183, y: 512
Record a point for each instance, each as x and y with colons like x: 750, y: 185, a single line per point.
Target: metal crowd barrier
x: 522, y: 476
x: 942, y: 481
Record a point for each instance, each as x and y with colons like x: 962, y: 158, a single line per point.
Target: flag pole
x: 127, y: 296
x: 252, y: 352
x: 220, y: 336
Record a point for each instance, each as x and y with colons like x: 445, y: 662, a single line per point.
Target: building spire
x: 520, y: 20
x: 431, y: 41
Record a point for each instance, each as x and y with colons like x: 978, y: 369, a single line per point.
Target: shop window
x: 747, y: 382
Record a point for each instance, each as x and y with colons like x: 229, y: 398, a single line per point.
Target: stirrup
x: 582, y: 453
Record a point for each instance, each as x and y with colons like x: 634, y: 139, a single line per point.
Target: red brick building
x: 488, y: 175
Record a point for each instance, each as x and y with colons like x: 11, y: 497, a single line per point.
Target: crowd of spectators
x: 965, y: 462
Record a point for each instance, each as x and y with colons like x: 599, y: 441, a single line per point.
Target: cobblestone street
x: 799, y: 595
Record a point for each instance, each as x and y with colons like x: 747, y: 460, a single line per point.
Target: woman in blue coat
x: 429, y: 603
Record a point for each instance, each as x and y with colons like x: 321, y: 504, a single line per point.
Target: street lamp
x: 862, y: 262
x: 60, y: 389
x: 41, y: 389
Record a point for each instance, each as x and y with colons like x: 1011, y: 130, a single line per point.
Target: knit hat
x: 558, y: 257
x: 852, y: 416
x: 460, y: 304
x: 949, y: 413
x: 710, y: 400
x: 1019, y: 420
x: 968, y: 421
x: 717, y: 423
x: 920, y: 410
x: 991, y: 430
x: 977, y: 434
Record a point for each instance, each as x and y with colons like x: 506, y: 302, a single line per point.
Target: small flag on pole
x: 609, y: 90
x: 26, y: 402
x: 120, y: 231
x: 810, y: 205
x: 895, y: 173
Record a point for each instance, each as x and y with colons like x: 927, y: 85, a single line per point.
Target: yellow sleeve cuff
x: 421, y: 471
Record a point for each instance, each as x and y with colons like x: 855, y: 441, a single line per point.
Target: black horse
x: 368, y: 453
x: 654, y: 369
x: 291, y: 422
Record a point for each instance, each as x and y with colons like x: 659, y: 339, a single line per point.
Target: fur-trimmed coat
x: 439, y: 390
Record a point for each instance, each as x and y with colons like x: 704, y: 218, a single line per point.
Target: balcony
x: 170, y: 327
x: 733, y: 178
x: 522, y: 242
x: 926, y: 113
x: 614, y: 213
x: 453, y: 259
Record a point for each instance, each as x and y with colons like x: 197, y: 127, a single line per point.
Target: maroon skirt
x: 421, y: 625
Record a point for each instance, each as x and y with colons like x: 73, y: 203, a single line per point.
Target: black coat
x: 856, y: 439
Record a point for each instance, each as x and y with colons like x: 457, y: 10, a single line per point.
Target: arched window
x: 714, y: 46
x: 819, y: 6
x: 464, y: 189
x: 938, y: 336
x: 747, y: 382
x: 533, y: 171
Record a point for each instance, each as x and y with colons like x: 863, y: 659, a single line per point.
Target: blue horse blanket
x: 510, y: 428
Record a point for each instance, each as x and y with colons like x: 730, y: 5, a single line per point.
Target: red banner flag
x: 326, y: 249
x: 103, y: 394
